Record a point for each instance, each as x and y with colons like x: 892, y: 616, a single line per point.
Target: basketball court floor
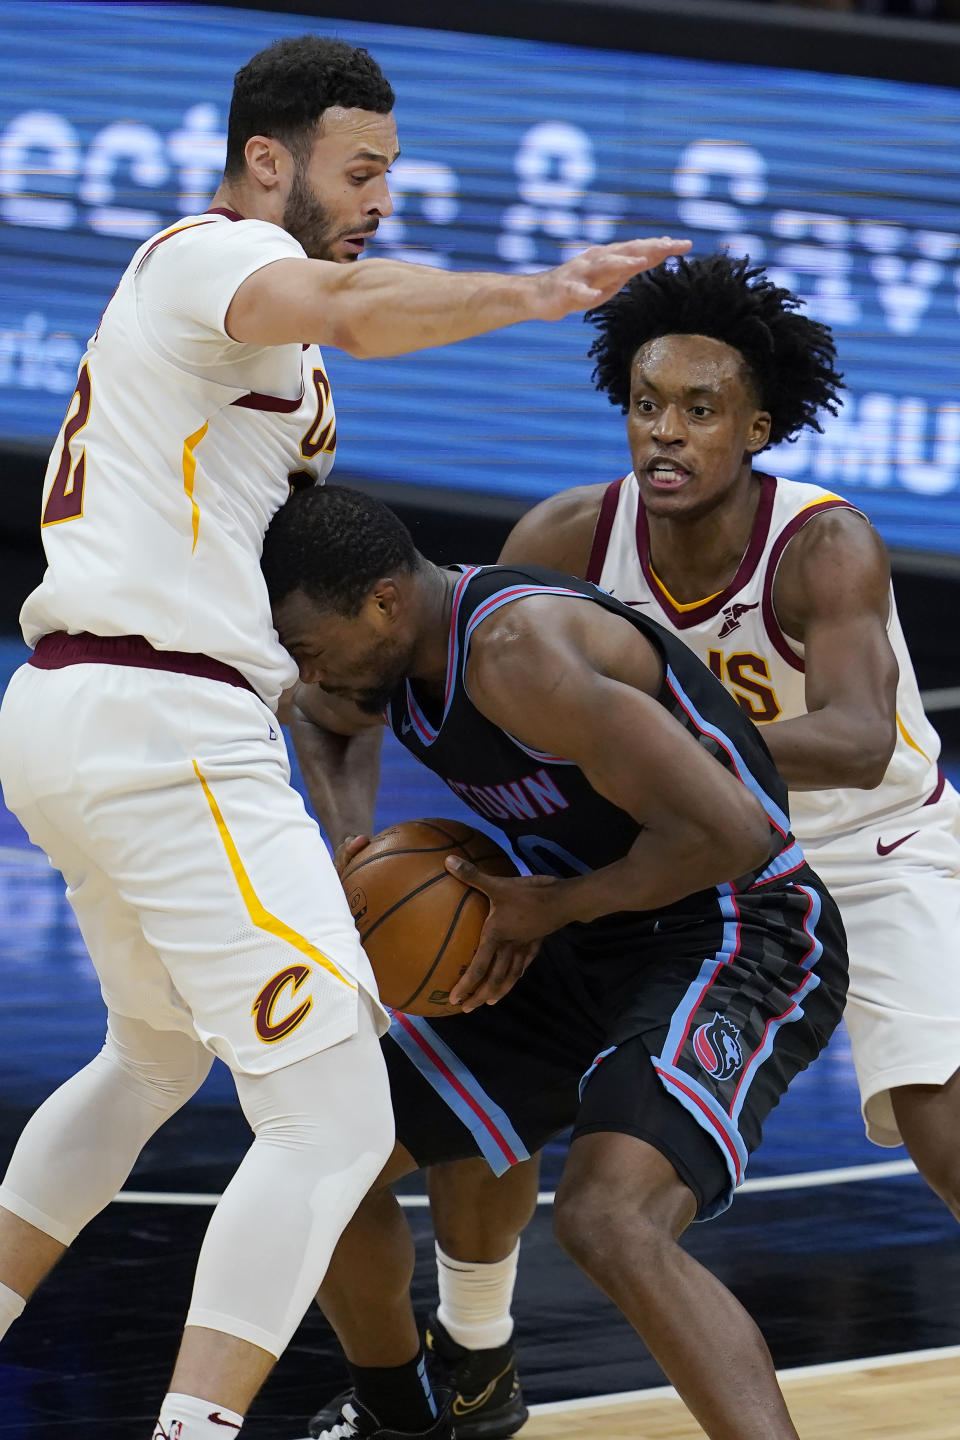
x: 848, y: 1263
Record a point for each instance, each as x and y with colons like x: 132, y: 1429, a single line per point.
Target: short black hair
x: 334, y: 544
x: 283, y: 91
x: 789, y: 357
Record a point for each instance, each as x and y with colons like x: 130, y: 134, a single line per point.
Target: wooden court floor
x: 918, y: 1400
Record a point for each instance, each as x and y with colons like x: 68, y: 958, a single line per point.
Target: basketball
x: 420, y: 926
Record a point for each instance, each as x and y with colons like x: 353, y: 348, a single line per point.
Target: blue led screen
x: 515, y: 155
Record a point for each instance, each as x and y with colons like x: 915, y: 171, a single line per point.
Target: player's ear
x: 386, y: 599
x: 267, y: 160
x: 758, y: 435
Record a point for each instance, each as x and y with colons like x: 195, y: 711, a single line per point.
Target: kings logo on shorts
x: 717, y: 1047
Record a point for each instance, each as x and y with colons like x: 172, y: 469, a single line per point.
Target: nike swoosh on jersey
x: 885, y: 849
x: 634, y: 602
x: 217, y: 1419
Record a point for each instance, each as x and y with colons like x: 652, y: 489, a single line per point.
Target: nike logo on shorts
x: 217, y: 1419
x: 885, y: 849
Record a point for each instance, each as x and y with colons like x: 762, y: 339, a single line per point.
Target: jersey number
x: 320, y: 437
x: 744, y: 675
x: 65, y: 501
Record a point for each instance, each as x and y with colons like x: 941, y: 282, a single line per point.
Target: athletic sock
x: 11, y: 1308
x: 183, y: 1417
x: 398, y: 1395
x: 475, y: 1300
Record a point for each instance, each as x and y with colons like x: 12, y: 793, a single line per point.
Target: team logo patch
x: 717, y: 1047
x: 271, y: 1026
x: 732, y: 615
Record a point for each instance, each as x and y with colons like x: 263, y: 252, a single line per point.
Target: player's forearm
x: 824, y: 750
x: 385, y: 307
x: 661, y: 868
x: 341, y: 773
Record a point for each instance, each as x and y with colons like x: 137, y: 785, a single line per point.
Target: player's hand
x: 522, y: 912
x: 597, y: 274
x: 349, y: 846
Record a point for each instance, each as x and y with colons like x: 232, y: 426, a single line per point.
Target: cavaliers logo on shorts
x: 271, y: 1026
x: 717, y: 1047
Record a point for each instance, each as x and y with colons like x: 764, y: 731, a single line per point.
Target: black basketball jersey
x: 556, y: 823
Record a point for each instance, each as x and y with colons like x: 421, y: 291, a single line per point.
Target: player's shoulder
x: 827, y: 547
x: 808, y: 517
x: 218, y: 232
x: 558, y: 532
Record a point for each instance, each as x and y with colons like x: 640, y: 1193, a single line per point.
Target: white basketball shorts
x: 898, y: 889
x: 204, y: 892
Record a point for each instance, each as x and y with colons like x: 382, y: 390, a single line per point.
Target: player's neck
x: 251, y: 204
x: 436, y: 588
x: 697, y: 556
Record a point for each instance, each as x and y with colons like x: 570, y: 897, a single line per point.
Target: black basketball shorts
x: 687, y: 1050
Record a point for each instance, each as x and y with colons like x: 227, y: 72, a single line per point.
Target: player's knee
x: 164, y: 1068
x: 478, y: 1215
x: 300, y: 1109
x: 597, y: 1224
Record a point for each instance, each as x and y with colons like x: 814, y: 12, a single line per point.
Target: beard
x: 308, y: 220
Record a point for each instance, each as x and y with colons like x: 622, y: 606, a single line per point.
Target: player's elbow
x: 876, y: 754
x: 861, y: 762
x: 745, y: 844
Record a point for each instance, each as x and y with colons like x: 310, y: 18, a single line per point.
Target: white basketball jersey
x: 736, y: 633
x: 175, y: 453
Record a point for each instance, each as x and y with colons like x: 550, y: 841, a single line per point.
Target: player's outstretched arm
x: 832, y: 592
x: 387, y: 307
x: 338, y: 748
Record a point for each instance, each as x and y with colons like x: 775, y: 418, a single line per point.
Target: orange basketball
x: 420, y: 926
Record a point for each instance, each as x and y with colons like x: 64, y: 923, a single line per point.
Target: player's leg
x: 668, y: 1118
x: 81, y: 1144
x: 242, y: 903
x: 621, y: 1206
x: 902, y: 915
x: 928, y: 1117
x: 478, y: 1219
x: 469, y: 1087
x: 178, y: 790
x: 322, y: 1126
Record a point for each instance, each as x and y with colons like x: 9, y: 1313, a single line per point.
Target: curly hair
x: 283, y: 91
x: 334, y: 544
x: 789, y: 357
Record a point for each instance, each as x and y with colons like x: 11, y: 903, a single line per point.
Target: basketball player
x: 139, y: 746
x: 783, y: 589
x: 692, y: 964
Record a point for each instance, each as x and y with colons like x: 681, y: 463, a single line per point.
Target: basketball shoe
x: 347, y: 1419
x: 487, y: 1401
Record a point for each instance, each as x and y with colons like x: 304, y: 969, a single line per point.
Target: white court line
x: 803, y: 1180
x: 798, y: 1372
x: 947, y: 698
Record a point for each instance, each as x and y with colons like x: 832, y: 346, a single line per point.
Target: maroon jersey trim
x: 57, y: 650
x: 603, y: 531
x: 941, y: 782
x: 222, y: 210
x: 169, y: 236
x: 770, y: 623
x: 256, y: 401
x: 686, y: 618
